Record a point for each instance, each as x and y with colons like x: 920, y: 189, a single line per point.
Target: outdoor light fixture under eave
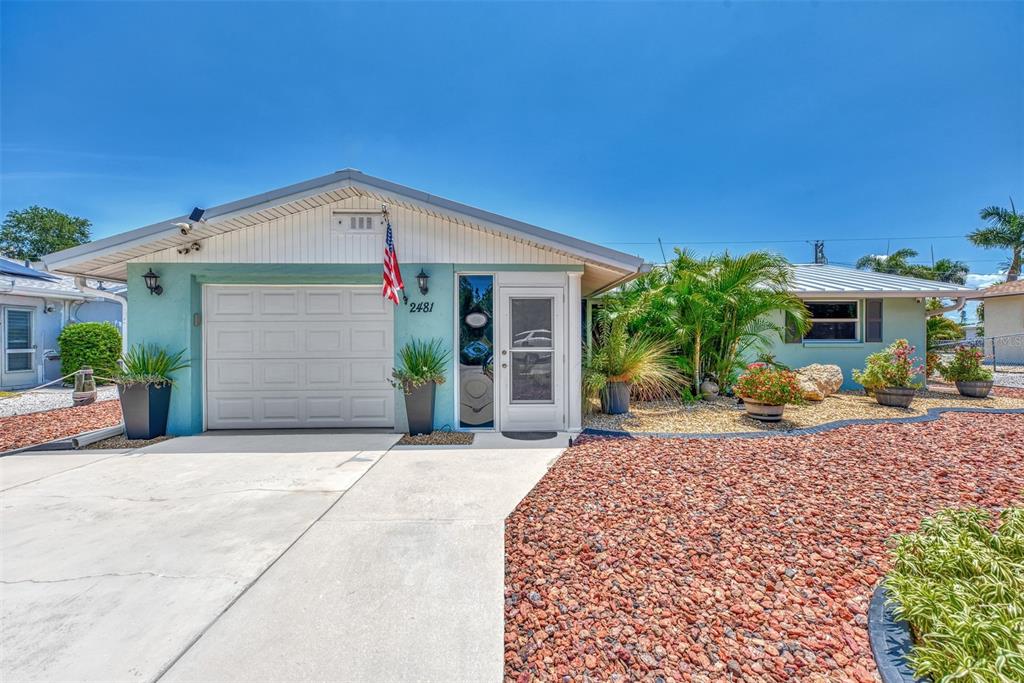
x: 421, y: 280
x: 153, y: 283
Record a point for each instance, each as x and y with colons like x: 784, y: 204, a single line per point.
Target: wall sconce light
x: 153, y: 283
x: 421, y: 280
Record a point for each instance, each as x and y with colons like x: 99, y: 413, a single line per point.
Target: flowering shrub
x: 766, y: 384
x: 965, y: 366
x: 893, y: 368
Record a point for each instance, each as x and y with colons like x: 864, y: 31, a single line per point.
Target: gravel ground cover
x: 725, y: 415
x: 47, y: 399
x: 438, y: 438
x: 121, y: 441
x: 18, y: 431
x: 732, y: 559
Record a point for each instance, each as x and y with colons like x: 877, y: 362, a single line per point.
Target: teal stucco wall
x: 168, y: 320
x: 902, y: 318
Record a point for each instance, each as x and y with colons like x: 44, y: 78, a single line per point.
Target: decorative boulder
x: 818, y: 381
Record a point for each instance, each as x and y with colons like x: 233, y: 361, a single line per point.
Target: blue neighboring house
x: 34, y: 307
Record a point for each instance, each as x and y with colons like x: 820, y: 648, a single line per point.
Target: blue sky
x: 729, y: 123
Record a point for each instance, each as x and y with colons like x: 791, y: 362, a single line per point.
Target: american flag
x: 392, y: 273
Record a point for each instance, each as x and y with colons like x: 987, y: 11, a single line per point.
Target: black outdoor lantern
x: 421, y: 280
x: 153, y: 283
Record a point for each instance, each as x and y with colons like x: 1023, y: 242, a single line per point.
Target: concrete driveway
x: 218, y: 565
x: 112, y: 564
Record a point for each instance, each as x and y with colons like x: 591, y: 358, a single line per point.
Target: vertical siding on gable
x: 310, y: 237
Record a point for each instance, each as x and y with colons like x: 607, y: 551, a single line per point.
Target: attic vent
x: 353, y: 222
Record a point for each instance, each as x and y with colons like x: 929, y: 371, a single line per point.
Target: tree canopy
x: 898, y: 263
x: 36, y: 231
x: 1005, y: 230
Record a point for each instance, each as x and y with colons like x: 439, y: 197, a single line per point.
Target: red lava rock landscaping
x: 19, y: 431
x: 732, y: 559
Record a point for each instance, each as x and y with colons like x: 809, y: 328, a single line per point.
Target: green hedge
x: 97, y: 345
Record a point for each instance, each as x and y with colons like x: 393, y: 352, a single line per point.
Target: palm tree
x: 717, y: 309
x: 896, y: 263
x: 1005, y: 230
x: 948, y: 270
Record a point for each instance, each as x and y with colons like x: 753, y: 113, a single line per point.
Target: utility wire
x: 803, y: 241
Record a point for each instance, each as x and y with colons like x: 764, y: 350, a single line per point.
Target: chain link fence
x: 1004, y: 355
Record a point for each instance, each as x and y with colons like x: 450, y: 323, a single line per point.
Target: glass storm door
x: 532, y: 359
x: 16, y: 330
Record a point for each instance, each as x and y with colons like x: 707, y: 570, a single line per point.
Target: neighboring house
x: 34, y: 307
x: 276, y: 299
x: 856, y: 313
x: 1004, y: 320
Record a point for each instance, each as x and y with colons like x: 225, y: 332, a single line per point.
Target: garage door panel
x: 370, y: 373
x: 298, y: 357
x: 370, y: 407
x: 325, y: 303
x: 294, y: 409
x: 231, y: 304
x: 277, y: 303
x: 369, y: 303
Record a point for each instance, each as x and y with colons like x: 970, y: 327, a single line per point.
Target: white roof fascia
x: 62, y: 260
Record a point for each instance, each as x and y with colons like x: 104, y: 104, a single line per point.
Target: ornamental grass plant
x: 960, y: 585
x: 421, y: 362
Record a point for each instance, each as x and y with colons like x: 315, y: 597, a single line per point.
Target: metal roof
x: 12, y: 268
x: 47, y: 285
x: 96, y: 257
x: 819, y: 280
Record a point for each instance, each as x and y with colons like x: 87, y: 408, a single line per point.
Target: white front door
x: 531, y: 358
x: 298, y: 356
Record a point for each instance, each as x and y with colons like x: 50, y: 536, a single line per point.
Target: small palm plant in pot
x: 889, y: 374
x: 620, y: 362
x: 423, y: 366
x: 766, y: 390
x: 966, y: 371
x: 144, y: 385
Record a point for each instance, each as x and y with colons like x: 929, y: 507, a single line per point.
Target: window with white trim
x: 833, y: 321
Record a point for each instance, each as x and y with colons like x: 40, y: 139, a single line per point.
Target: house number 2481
x: 421, y: 307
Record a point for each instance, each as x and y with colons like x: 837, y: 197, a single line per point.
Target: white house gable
x: 351, y: 230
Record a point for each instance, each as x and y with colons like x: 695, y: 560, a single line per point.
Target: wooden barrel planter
x: 763, y: 411
x: 974, y: 389
x: 895, y: 397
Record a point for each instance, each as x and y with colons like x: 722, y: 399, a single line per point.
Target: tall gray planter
x: 419, y: 408
x: 144, y: 408
x: 615, y: 398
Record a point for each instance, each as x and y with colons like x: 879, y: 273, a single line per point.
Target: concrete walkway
x: 402, y: 580
x: 113, y: 564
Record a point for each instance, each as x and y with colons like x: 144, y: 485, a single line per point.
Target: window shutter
x: 873, y: 320
x: 793, y: 335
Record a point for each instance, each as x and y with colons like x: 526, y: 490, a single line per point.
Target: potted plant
x: 422, y: 368
x: 766, y: 390
x: 966, y: 371
x: 144, y: 386
x: 889, y: 374
x: 619, y: 362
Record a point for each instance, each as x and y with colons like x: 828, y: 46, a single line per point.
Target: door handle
x: 504, y: 365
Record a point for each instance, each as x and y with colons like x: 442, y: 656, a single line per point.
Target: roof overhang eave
x: 884, y: 294
x: 68, y: 260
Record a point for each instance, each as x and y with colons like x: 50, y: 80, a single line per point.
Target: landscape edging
x: 929, y: 416
x: 890, y: 640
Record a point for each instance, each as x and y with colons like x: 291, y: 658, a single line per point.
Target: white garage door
x: 310, y: 356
